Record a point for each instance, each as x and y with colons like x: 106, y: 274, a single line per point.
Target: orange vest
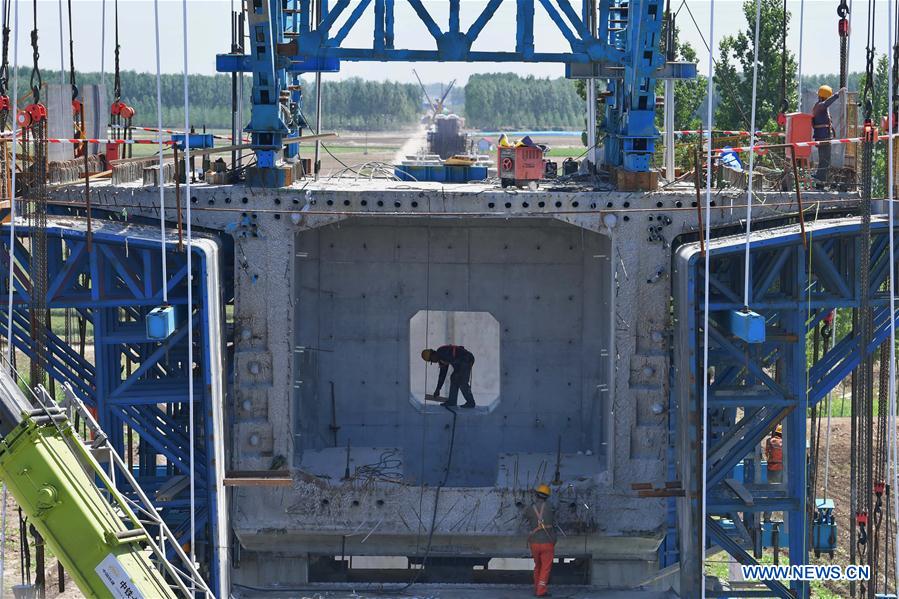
x: 774, y: 453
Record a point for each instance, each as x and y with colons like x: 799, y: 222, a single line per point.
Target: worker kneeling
x: 462, y: 362
x: 542, y: 539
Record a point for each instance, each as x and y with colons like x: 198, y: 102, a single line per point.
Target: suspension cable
x: 799, y: 66
x: 117, y: 78
x: 12, y: 229
x: 844, y: 24
x: 103, y: 43
x: 4, y: 65
x: 160, y: 181
x: 12, y: 192
x: 891, y: 158
x: 705, y: 326
x: 190, y: 287
x: 783, y: 66
x: 752, y: 140
x: 36, y: 81
x: 72, y: 81
x: 865, y: 407
x: 62, y: 48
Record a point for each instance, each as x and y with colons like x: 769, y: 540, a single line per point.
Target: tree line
x: 349, y: 104
x: 508, y: 101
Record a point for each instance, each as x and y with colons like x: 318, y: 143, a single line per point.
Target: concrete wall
x: 359, y: 283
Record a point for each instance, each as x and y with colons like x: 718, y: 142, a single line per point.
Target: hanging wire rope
x: 62, y: 48
x: 4, y: 66
x: 12, y: 238
x: 799, y: 61
x: 827, y: 432
x: 77, y: 104
x: 893, y: 40
x: 117, y: 77
x: 705, y: 317
x: 865, y: 407
x: 103, y: 43
x: 752, y: 140
x: 190, y: 286
x: 160, y: 181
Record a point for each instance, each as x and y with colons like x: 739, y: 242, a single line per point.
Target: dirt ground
x: 12, y: 572
x: 838, y: 489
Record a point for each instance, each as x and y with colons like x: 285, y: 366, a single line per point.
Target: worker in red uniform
x: 823, y: 129
x: 462, y: 362
x: 774, y: 454
x: 542, y: 538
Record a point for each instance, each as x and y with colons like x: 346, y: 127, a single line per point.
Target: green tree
x: 508, y: 101
x: 733, y: 72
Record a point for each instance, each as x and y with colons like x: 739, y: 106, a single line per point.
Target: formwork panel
x: 360, y: 282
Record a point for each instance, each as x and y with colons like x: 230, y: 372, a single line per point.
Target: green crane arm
x: 71, y: 501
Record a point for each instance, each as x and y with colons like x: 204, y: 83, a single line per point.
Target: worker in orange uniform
x: 823, y: 129
x: 542, y: 539
x: 774, y: 454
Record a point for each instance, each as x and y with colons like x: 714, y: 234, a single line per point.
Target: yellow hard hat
x: 825, y: 91
x: 426, y: 354
x: 779, y: 429
x: 543, y: 490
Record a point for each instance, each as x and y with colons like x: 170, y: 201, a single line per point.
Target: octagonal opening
x: 477, y: 332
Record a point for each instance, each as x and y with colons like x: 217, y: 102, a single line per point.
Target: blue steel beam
x: 627, y: 42
x: 719, y: 535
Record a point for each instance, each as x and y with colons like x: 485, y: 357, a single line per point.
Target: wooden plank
x: 258, y: 482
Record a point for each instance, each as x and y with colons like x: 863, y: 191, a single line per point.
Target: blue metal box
x: 824, y: 528
x: 748, y: 325
x: 198, y: 141
x: 161, y: 323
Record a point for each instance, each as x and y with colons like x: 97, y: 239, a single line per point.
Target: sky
x: 209, y: 33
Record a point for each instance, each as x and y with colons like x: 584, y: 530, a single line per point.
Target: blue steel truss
x: 619, y: 40
x: 132, y: 382
x: 755, y: 387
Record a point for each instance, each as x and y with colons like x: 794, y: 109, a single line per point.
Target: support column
x: 592, y: 152
x: 669, y: 130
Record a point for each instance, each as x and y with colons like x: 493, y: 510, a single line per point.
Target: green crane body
x: 57, y: 483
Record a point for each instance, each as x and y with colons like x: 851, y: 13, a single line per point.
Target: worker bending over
x: 774, y: 454
x: 462, y: 362
x: 824, y: 129
x: 542, y: 539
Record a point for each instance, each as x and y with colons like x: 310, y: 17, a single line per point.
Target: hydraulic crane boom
x: 90, y: 525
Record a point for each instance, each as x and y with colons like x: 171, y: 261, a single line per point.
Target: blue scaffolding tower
x: 138, y: 386
x: 753, y: 387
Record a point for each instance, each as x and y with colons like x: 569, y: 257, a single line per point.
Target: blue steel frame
x: 754, y: 387
x: 285, y: 41
x: 113, y: 285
